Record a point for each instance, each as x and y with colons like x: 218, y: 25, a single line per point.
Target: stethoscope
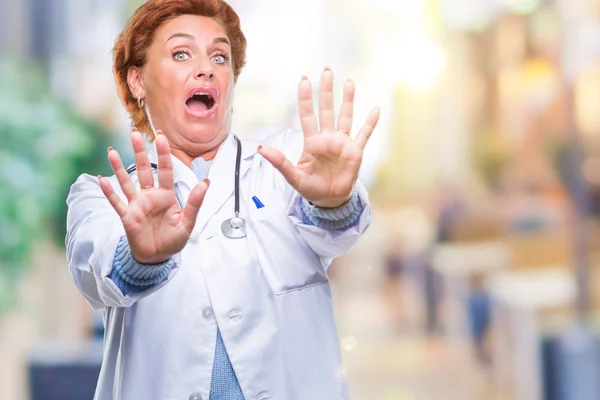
x: 234, y: 227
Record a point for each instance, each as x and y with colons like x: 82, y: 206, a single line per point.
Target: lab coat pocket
x: 286, y: 261
x: 265, y: 213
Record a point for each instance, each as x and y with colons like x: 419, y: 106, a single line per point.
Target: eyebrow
x: 220, y: 39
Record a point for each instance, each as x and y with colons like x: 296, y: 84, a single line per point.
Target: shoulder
x: 288, y: 138
x: 83, y: 183
x: 86, y: 186
x: 87, y: 182
x: 289, y: 141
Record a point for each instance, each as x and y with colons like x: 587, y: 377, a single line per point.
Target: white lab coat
x: 268, y: 293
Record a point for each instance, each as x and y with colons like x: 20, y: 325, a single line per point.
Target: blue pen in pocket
x: 257, y: 202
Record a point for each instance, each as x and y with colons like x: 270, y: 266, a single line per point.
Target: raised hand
x: 329, y: 165
x: 155, y: 225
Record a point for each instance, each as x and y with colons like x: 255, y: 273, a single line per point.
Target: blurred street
x: 382, y: 324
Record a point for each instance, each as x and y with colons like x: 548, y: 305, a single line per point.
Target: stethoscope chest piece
x: 234, y: 228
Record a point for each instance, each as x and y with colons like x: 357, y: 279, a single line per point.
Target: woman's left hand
x: 328, y: 167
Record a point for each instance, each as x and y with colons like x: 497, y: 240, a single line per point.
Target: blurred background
x: 479, y: 276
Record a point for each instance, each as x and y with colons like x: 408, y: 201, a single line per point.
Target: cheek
x: 167, y: 77
x: 228, y: 90
x: 230, y: 95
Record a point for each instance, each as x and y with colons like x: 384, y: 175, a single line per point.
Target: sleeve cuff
x: 343, y: 217
x: 134, y: 277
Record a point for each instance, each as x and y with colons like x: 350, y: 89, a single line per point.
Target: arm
x: 94, y: 232
x: 324, y: 169
x: 101, y: 211
x: 332, y: 232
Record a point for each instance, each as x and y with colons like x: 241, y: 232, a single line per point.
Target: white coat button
x: 195, y: 396
x: 208, y: 313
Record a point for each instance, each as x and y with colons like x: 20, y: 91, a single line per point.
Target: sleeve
x: 326, y: 239
x: 132, y: 276
x: 343, y: 217
x: 94, y: 231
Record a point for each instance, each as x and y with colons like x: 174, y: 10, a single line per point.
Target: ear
x: 135, y: 82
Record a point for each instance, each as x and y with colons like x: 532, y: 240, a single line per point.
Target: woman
x: 197, y: 306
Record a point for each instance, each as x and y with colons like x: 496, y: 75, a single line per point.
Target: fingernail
x: 134, y: 129
x: 207, y: 181
x: 99, y: 177
x: 303, y: 78
x: 327, y: 69
x: 109, y: 149
x: 259, y: 148
x: 349, y: 81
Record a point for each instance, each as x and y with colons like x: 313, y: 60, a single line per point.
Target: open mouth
x: 201, y: 102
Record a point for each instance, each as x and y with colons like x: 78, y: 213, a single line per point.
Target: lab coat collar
x: 221, y: 175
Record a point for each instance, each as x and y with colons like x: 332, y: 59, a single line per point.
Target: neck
x: 187, y: 158
x: 189, y: 152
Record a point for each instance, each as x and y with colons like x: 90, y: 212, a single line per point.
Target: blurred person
x: 394, y: 272
x: 479, y: 304
x: 450, y: 210
x: 208, y: 257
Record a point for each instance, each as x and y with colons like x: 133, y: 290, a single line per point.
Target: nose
x: 205, y: 69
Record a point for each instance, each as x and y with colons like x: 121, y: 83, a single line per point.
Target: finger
x: 306, y: 110
x: 192, y: 207
x: 121, y: 173
x: 346, y: 110
x: 144, y: 170
x: 113, y: 198
x: 283, y: 165
x: 326, y: 113
x: 365, y: 132
x: 165, y: 164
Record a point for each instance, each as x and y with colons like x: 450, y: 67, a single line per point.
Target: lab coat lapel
x: 181, y: 172
x: 221, y: 176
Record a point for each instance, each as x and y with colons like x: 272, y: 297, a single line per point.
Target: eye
x: 181, y: 55
x: 220, y: 59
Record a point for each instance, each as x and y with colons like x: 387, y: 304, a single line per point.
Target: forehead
x: 198, y: 26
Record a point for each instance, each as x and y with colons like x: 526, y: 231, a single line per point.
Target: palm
x: 155, y: 225
x: 328, y: 166
x: 330, y: 161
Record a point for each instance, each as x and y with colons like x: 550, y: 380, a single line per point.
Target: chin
x: 200, y: 136
x: 200, y: 133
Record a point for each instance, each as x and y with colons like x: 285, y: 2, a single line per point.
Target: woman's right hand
x: 155, y: 225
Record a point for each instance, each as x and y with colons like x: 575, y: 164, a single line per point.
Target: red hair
x: 131, y: 46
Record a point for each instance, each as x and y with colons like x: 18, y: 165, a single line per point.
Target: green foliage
x: 44, y: 146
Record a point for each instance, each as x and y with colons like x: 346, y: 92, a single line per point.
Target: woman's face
x: 187, y: 83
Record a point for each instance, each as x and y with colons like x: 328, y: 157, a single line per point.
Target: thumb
x: 281, y: 163
x: 191, y: 209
